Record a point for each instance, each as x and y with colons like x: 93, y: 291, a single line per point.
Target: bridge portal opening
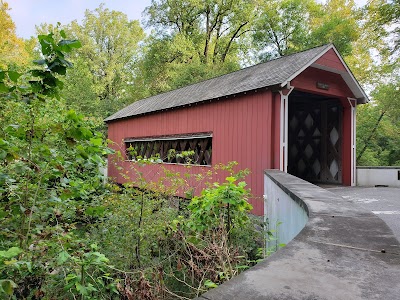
x: 315, y: 137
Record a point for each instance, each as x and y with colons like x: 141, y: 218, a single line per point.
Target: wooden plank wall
x: 242, y: 129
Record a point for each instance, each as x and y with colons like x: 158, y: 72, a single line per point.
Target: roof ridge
x: 123, y: 113
x: 241, y: 69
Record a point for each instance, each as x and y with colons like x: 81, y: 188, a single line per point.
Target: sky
x: 28, y: 13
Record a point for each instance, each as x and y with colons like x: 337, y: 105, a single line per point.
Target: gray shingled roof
x: 271, y: 73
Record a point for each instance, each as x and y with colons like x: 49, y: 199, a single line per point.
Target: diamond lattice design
x: 334, y: 136
x: 308, y: 151
x: 301, y: 166
x: 198, y: 150
x: 315, y: 143
x: 294, y: 122
x: 334, y: 168
x: 316, y: 167
x: 317, y: 132
x: 309, y: 122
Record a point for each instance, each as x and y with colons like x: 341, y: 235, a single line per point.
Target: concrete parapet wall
x: 285, y: 216
x: 343, y: 252
x: 373, y: 176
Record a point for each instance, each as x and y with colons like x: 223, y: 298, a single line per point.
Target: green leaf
x: 50, y: 81
x: 46, y: 41
x: 57, y: 67
x: 244, y: 267
x: 38, y: 73
x: 2, y: 74
x: 62, y: 33
x: 66, y: 63
x: 3, y: 214
x: 14, y: 75
x: 63, y: 256
x: 70, y: 277
x: 3, y: 142
x: 95, y: 211
x: 3, y: 88
x: 13, y: 251
x: 96, y: 141
x: 36, y: 86
x: 59, y: 70
x: 242, y: 184
x: 7, y: 286
x: 68, y: 45
x: 81, y: 289
x: 59, y: 83
x: 209, y: 284
x: 3, y: 154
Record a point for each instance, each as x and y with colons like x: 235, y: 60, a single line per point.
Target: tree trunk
x: 231, y: 40
x: 367, y: 141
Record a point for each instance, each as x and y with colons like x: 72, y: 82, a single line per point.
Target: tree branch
x: 231, y: 40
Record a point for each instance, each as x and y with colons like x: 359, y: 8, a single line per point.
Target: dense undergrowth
x: 66, y: 234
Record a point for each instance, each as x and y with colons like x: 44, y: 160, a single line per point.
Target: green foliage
x: 49, y: 174
x: 193, y: 41
x: 287, y: 26
x: 225, y: 202
x: 386, y: 13
x: 283, y: 27
x: 14, y: 51
x: 101, y: 81
x: 379, y: 128
x: 7, y: 260
x: 162, y: 245
x: 212, y: 28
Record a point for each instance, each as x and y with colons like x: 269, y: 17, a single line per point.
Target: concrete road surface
x: 382, y: 201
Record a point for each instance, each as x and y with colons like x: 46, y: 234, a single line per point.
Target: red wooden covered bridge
x: 295, y: 113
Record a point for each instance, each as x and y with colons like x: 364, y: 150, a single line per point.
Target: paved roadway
x: 382, y: 201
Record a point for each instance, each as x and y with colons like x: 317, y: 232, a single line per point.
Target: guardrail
x: 343, y: 252
x: 378, y: 176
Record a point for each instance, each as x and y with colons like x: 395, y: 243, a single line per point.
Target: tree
x: 287, y: 26
x: 379, y: 127
x: 338, y: 24
x: 173, y: 62
x: 13, y: 50
x: 386, y: 13
x: 193, y: 40
x: 378, y: 123
x: 100, y: 83
x: 213, y: 26
x: 283, y: 26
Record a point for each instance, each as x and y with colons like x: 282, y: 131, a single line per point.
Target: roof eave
x: 117, y: 118
x: 362, y: 97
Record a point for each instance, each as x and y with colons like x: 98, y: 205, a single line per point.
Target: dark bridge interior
x: 315, y: 138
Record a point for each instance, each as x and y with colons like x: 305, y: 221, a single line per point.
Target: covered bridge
x: 295, y: 113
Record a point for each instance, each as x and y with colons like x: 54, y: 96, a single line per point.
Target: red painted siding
x: 242, y: 131
x: 245, y: 129
x: 347, y: 149
x: 331, y: 60
x: 307, y: 82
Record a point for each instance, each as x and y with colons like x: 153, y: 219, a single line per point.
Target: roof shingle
x: 262, y: 75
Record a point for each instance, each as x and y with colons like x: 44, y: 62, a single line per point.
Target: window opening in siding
x: 195, y: 149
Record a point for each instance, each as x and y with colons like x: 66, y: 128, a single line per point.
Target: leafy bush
x: 50, y: 182
x: 170, y: 250
x: 67, y: 235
